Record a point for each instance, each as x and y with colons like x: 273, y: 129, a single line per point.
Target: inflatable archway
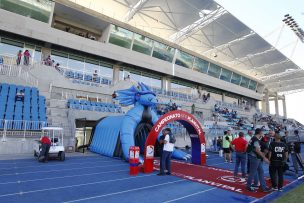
x: 193, y: 127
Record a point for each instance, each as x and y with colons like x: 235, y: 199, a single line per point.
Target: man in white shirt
x: 166, y: 155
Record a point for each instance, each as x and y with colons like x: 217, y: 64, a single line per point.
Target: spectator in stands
x: 19, y: 96
x: 128, y: 77
x: 216, y: 108
x: 57, y: 66
x: 48, y: 61
x: 256, y: 157
x: 1, y: 60
x: 45, y: 148
x: 67, y: 29
x: 19, y: 57
x: 193, y: 108
x: 26, y: 57
x: 219, y: 143
x: 174, y: 106
x: 240, y: 146
x: 226, y: 146
x: 95, y: 75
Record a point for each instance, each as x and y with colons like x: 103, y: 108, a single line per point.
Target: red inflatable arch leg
x: 193, y: 127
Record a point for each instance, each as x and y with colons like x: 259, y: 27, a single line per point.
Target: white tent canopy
x: 208, y: 29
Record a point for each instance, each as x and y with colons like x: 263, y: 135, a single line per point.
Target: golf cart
x: 55, y: 134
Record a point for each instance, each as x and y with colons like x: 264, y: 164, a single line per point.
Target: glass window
x: 76, y: 62
x: 106, y: 71
x: 184, y: 59
x: 214, y: 70
x: 91, y: 65
x: 226, y: 75
x: 175, y: 87
x: 200, y: 65
x: 39, y: 10
x: 163, y: 52
x: 245, y: 82
x: 37, y: 56
x: 236, y: 78
x: 150, y: 81
x: 121, y: 37
x: 252, y: 85
x: 10, y: 47
x: 60, y: 57
x: 142, y: 44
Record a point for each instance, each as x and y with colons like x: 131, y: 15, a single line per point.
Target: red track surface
x: 212, y: 176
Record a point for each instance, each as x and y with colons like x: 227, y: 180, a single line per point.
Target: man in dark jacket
x: 278, y: 156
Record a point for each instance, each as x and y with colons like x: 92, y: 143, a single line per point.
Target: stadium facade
x: 93, y: 54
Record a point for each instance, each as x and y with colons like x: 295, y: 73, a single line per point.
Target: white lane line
x: 71, y: 186
x: 60, y: 177
x: 221, y: 164
x: 60, y: 170
x: 68, y: 158
x: 50, y: 165
x: 272, y: 192
x: 193, y: 194
x: 124, y: 191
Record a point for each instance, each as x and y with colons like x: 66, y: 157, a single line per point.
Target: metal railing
x: 9, y: 67
x: 20, y: 128
x: 81, y: 76
x: 94, y: 108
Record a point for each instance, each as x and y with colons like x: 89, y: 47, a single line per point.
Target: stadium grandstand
x: 62, y: 63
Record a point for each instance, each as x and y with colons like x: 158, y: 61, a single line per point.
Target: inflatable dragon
x: 121, y: 129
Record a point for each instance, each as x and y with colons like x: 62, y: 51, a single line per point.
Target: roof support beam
x: 197, y: 25
x: 250, y: 56
x: 132, y: 11
x: 278, y: 75
x: 226, y: 45
x: 272, y: 64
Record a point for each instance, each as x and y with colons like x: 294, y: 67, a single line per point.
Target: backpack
x: 172, y: 138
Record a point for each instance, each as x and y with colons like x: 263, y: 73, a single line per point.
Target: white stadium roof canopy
x: 209, y: 30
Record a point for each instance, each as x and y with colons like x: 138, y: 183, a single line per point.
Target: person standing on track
x: 240, y: 146
x: 256, y: 156
x: 161, y: 148
x: 167, y: 153
x: 226, y: 146
x: 278, y: 156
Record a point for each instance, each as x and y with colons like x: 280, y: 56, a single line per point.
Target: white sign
x: 150, y: 152
x: 203, y: 148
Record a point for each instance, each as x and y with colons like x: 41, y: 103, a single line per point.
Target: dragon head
x: 141, y: 95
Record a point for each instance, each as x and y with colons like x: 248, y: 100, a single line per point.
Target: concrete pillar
x: 168, y: 83
x: 284, y: 107
x: 164, y: 83
x: 45, y: 52
x: 223, y: 97
x: 276, y: 104
x: 267, y: 102
x: 52, y: 19
x: 257, y: 104
x: 116, y: 70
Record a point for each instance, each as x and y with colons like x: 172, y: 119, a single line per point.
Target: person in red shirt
x: 45, y: 148
x: 240, y: 146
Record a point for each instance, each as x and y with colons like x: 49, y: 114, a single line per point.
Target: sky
x: 265, y: 18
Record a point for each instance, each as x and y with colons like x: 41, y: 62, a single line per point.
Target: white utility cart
x: 55, y: 134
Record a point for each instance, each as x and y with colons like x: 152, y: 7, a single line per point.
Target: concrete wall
x: 17, y: 146
x: 28, y: 27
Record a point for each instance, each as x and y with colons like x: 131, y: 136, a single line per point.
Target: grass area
x: 294, y: 196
